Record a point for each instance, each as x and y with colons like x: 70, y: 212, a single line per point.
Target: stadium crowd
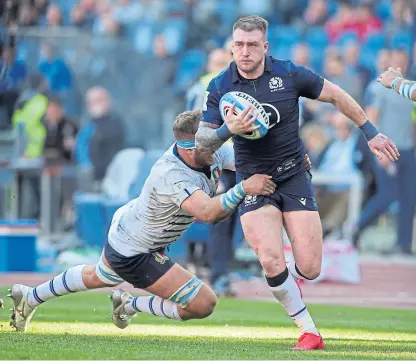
x: 175, y: 48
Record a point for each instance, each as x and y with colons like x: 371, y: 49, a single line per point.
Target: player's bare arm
x: 393, y: 79
x: 378, y: 143
x: 215, y: 209
x: 211, y: 137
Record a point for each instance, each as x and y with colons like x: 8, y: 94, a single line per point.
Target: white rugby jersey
x: 155, y: 219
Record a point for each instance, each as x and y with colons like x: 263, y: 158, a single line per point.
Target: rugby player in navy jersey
x: 277, y: 85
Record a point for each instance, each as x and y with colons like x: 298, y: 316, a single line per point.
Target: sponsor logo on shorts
x: 160, y: 258
x: 302, y: 200
x: 250, y: 200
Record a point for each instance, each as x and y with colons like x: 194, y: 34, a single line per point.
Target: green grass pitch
x: 79, y: 327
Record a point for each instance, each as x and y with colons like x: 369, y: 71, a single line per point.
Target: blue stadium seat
x: 226, y: 10
x: 145, y: 165
x: 402, y: 39
x: 143, y: 37
x: 317, y: 37
x: 66, y: 7
x: 90, y: 224
x: 375, y: 42
x: 368, y: 58
x: 281, y: 52
x: 332, y: 7
x: 317, y: 58
x: 198, y: 232
x: 383, y: 10
x: 189, y: 68
x: 284, y: 35
x: 174, y: 31
x: 346, y: 38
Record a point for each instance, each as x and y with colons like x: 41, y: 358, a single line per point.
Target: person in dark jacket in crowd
x: 107, y: 135
x: 60, y: 134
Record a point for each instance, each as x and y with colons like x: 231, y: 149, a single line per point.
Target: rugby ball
x: 242, y: 101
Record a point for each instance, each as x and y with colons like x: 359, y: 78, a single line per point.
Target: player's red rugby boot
x: 309, y: 341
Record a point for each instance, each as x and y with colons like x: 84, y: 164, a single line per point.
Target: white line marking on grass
x: 230, y: 332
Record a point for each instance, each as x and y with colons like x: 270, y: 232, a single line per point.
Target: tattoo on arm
x: 207, y: 139
x: 344, y: 102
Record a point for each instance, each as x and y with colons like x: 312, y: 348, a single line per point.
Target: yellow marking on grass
x: 181, y: 330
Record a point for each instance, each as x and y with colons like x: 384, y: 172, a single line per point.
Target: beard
x: 249, y: 67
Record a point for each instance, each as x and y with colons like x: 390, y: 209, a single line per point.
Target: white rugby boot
x: 119, y: 316
x: 21, y: 312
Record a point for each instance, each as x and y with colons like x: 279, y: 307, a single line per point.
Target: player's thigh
x: 305, y: 233
x: 183, y: 288
x: 263, y: 231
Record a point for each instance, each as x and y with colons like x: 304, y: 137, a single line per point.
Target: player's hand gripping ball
x: 242, y: 101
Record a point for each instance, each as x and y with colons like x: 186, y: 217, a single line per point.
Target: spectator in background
x: 301, y: 55
x: 12, y: 71
x: 60, y: 134
x: 339, y: 157
x: 28, y: 15
x: 316, y: 13
x: 57, y: 153
x: 54, y: 69
x: 81, y: 19
x: 342, y: 21
x: 316, y: 139
x: 53, y: 16
x: 105, y: 24
x: 351, y: 56
x: 218, y: 60
x: 163, y: 67
x: 401, y: 19
x: 27, y: 119
x: 335, y: 71
x: 103, y: 136
x: 382, y: 64
x: 412, y: 69
x: 30, y: 131
x: 395, y: 181
x: 367, y: 22
x: 259, y: 7
x: 12, y: 76
x: 127, y: 12
x: 89, y: 8
x: 41, y: 7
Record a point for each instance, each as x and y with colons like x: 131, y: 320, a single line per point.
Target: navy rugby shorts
x: 141, y: 270
x: 293, y: 194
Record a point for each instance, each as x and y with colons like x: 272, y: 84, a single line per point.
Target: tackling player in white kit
x: 180, y: 188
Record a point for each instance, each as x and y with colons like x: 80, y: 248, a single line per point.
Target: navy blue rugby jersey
x: 280, y: 153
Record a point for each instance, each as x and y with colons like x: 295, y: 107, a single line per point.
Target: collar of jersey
x: 205, y: 170
x: 235, y: 75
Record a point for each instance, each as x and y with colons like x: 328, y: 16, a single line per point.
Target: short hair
x: 250, y: 23
x: 186, y: 124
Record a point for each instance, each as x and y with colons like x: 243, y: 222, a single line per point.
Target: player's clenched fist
x: 388, y: 76
x: 381, y: 145
x: 243, y: 122
x: 259, y: 185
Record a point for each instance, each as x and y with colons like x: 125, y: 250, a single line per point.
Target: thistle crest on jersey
x: 242, y: 101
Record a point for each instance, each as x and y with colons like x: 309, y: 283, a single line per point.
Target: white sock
x: 69, y: 281
x: 293, y: 270
x: 153, y: 305
x: 286, y: 291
